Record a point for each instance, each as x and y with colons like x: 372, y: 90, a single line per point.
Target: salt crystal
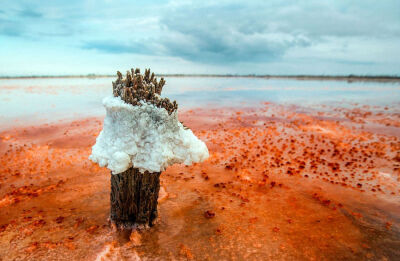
x: 144, y: 137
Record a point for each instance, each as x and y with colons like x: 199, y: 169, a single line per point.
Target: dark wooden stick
x: 134, y: 198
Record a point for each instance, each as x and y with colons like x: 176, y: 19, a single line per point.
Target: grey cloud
x: 30, y: 23
x: 224, y: 34
x: 264, y: 31
x: 256, y: 31
x: 10, y: 28
x: 116, y: 47
x: 212, y: 32
x: 30, y: 13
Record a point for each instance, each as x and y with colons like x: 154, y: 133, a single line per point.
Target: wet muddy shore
x: 281, y: 183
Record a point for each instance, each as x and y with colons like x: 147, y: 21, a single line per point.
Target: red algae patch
x: 280, y: 184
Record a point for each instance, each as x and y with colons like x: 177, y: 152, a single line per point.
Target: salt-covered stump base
x: 141, y: 136
x: 134, y: 198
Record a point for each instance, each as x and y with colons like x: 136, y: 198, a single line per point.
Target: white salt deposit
x: 145, y: 137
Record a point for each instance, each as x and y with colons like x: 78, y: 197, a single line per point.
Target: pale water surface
x: 28, y: 101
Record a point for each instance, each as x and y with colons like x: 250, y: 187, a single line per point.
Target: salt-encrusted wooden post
x: 141, y: 136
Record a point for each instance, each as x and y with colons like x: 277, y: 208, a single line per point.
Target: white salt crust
x: 145, y: 137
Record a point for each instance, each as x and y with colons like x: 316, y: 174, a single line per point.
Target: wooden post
x: 134, y: 198
x: 133, y: 194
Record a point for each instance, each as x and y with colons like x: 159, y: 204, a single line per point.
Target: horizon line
x: 349, y: 77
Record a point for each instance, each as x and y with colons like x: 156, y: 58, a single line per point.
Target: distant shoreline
x: 348, y: 78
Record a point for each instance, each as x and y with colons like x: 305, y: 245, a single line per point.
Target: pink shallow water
x: 282, y: 183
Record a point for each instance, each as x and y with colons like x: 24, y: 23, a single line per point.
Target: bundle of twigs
x: 136, y: 87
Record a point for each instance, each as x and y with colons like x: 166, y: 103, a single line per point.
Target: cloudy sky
x: 60, y: 37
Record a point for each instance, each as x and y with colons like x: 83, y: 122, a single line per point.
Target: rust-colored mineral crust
x: 136, y: 87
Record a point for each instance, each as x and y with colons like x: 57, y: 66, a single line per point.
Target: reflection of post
x: 141, y: 136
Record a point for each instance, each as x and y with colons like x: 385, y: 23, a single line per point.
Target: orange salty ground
x: 281, y: 183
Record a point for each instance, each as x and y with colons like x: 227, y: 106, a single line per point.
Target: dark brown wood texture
x: 134, y: 198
